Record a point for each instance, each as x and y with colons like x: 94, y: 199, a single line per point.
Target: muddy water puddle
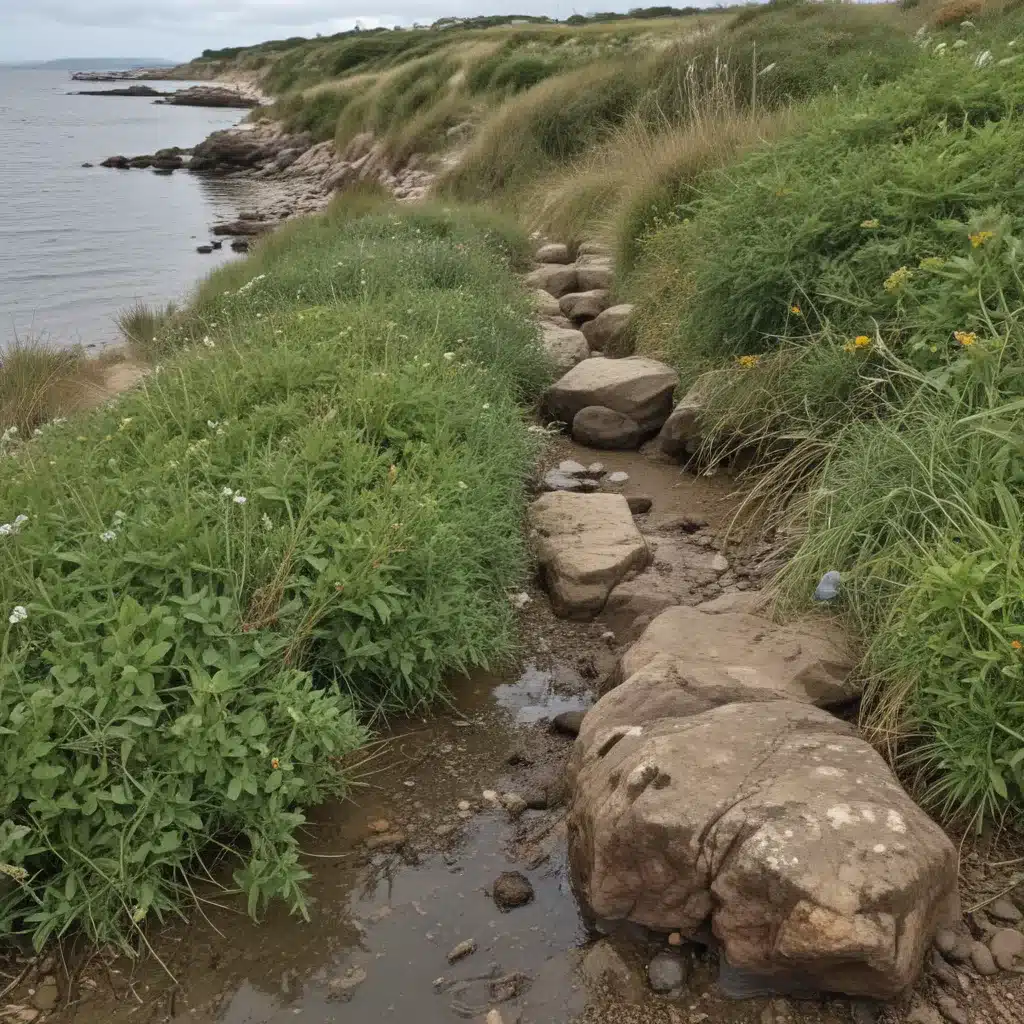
x: 401, y: 874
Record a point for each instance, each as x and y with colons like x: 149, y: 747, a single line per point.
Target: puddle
x: 541, y: 694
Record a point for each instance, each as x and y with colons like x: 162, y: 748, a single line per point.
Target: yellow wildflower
x: 796, y: 310
x: 1016, y: 645
x: 965, y: 337
x: 979, y: 238
x: 862, y: 341
x: 932, y: 263
x: 897, y: 279
x: 748, y: 362
x: 869, y: 223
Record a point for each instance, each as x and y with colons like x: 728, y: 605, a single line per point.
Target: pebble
x: 514, y: 804
x: 463, y: 949
x: 464, y: 805
x: 595, y: 469
x: 512, y: 889
x: 951, y: 1010
x: 490, y: 796
x: 945, y: 974
x: 982, y: 960
x: 719, y: 563
x: 570, y: 467
x: 556, y: 481
x: 1004, y: 910
x: 960, y: 952
x: 945, y: 940
x: 380, y: 825
x: 344, y: 986
x: 675, y: 939
x: 45, y: 996
x: 387, y: 841
x: 666, y: 972
x: 1007, y: 946
x: 568, y: 723
x: 923, y: 1013
x: 617, y: 478
x: 494, y: 1017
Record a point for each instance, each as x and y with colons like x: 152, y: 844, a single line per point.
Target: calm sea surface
x: 78, y: 244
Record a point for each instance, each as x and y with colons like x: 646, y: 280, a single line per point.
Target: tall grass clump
x: 39, y: 383
x: 311, y: 507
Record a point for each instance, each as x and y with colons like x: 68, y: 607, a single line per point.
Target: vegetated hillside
x: 311, y: 509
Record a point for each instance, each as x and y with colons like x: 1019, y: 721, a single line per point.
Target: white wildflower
x: 37, y: 432
x: 209, y: 342
x: 267, y: 523
x: 19, y: 613
x: 239, y: 499
x: 449, y: 356
x: 486, y: 406
x: 983, y: 58
x: 463, y: 485
x: 212, y: 424
x: 521, y: 600
x: 108, y: 535
x: 226, y: 492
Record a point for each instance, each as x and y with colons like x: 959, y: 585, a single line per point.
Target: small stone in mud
x: 380, y: 826
x: 595, y: 469
x: 343, y: 986
x: 514, y: 804
x: 1007, y: 946
x: 666, y: 972
x: 464, y: 805
x: 494, y: 1017
x: 1004, y: 910
x: 951, y: 1010
x: 463, y: 949
x: 387, y: 841
x: 570, y: 467
x: 617, y: 478
x: 568, y: 723
x: 982, y: 960
x: 490, y: 796
x: 675, y: 939
x: 45, y: 996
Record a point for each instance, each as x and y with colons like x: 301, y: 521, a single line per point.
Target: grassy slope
x: 315, y: 499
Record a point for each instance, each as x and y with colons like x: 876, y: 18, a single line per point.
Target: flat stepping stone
x: 553, y: 252
x: 776, y: 825
x: 636, y: 387
x: 585, y: 544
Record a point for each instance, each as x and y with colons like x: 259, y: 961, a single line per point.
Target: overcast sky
x: 180, y: 29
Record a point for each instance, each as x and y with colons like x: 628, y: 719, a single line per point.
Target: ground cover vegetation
x: 310, y: 510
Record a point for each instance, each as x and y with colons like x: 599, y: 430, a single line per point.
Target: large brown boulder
x: 599, y: 427
x: 582, y: 306
x: 776, y: 825
x: 683, y: 431
x: 554, y: 278
x: 638, y: 388
x: 689, y: 660
x: 565, y: 346
x: 585, y: 544
x: 609, y: 332
x: 553, y: 252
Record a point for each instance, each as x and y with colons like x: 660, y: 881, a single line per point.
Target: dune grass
x: 312, y: 506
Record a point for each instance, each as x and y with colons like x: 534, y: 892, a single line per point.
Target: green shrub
x: 314, y: 500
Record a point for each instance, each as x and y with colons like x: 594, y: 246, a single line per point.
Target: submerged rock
x: 512, y: 889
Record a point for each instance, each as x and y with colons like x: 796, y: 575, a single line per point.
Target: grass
x: 39, y: 384
x: 311, y: 506
x: 849, y: 301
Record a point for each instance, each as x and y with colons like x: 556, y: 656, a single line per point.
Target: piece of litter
x: 828, y: 587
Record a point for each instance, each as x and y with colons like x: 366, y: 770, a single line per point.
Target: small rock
x: 46, y: 994
x: 553, y: 252
x: 387, y: 841
x: 463, y: 949
x: 639, y: 504
x: 951, y: 1010
x: 568, y: 723
x: 514, y: 804
x: 961, y: 951
x: 343, y: 986
x: 666, y: 972
x: 512, y: 889
x: 1004, y: 910
x: 595, y: 469
x: 464, y: 805
x: 380, y: 825
x: 617, y: 478
x: 1007, y: 946
x: 865, y: 1011
x: 720, y: 564
x: 945, y: 940
x: 556, y: 481
x: 923, y: 1013
x: 204, y: 250
x: 494, y: 1017
x: 490, y: 796
x: 982, y: 960
x: 570, y: 467
x: 943, y: 972
x: 606, y: 971
x: 675, y: 939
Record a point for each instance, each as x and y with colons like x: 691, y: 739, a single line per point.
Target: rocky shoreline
x: 194, y: 96
x: 301, y: 176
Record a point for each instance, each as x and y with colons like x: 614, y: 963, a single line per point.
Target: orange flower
x: 1016, y: 645
x: 965, y: 338
x: 796, y: 310
x: 275, y: 763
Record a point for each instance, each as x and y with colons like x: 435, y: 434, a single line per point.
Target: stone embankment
x: 716, y: 793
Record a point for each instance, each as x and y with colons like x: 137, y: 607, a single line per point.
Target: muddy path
x: 403, y: 871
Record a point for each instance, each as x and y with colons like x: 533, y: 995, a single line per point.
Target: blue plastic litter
x: 828, y: 587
